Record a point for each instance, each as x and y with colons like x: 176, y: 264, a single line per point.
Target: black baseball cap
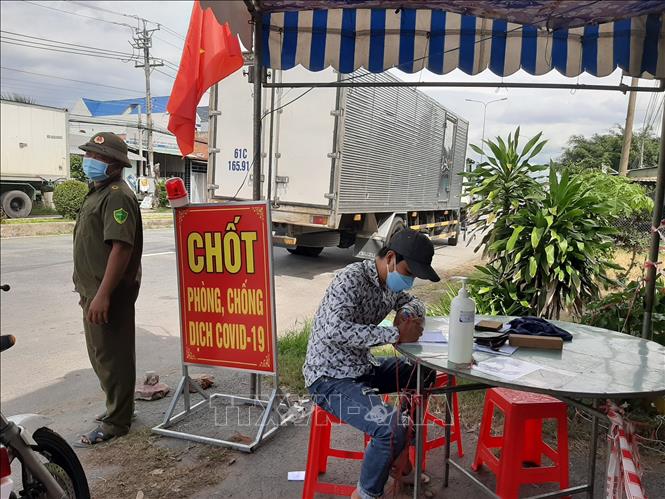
x: 418, y: 251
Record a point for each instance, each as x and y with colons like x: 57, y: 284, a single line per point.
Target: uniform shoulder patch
x: 120, y: 215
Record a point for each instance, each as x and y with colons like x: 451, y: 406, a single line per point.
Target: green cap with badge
x: 109, y: 145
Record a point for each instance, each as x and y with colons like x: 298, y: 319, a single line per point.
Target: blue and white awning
x: 415, y: 39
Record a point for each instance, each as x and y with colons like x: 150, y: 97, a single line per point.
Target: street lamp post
x: 485, y: 104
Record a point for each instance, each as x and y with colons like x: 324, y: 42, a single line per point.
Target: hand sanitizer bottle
x: 461, y: 327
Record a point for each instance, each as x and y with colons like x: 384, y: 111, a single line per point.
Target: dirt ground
x: 145, y: 465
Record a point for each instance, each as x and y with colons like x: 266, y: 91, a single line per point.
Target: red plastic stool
x: 455, y: 435
x: 521, y: 442
x: 318, y: 453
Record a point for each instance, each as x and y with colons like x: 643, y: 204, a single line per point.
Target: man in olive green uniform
x: 108, y: 242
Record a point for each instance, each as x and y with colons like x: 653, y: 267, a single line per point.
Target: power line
x: 179, y: 47
x: 77, y: 14
x: 98, y: 55
x: 46, y: 84
x: 69, y: 79
x: 165, y: 74
x: 171, y: 31
x: 132, y: 16
x: 102, y: 9
x: 57, y: 42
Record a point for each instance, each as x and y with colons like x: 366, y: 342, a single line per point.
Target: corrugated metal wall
x: 391, y: 145
x: 459, y: 163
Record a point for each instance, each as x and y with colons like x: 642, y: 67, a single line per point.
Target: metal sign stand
x: 276, y: 404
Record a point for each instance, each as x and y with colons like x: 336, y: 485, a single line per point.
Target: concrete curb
x: 8, y: 231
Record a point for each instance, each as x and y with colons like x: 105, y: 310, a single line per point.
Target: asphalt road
x: 48, y: 370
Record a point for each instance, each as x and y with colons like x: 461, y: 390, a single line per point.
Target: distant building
x: 202, y: 113
x: 89, y: 116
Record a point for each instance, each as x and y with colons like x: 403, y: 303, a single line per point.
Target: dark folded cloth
x: 535, y: 326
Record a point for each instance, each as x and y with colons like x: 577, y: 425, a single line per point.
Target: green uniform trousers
x: 111, y: 348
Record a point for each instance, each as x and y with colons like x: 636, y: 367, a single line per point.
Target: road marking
x: 159, y: 254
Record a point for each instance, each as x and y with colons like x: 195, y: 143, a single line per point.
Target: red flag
x: 211, y: 53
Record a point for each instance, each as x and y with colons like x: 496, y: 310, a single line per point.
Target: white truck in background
x: 34, y: 153
x: 345, y: 167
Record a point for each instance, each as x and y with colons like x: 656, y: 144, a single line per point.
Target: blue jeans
x: 356, y: 401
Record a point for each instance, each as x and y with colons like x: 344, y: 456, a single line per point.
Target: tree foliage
x: 548, y: 244
x: 23, y: 99
x: 602, y: 151
x: 502, y: 185
x: 76, y: 168
x: 624, y: 196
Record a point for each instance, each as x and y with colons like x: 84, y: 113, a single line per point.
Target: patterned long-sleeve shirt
x: 345, y: 325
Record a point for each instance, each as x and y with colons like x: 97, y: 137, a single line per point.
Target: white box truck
x: 345, y: 167
x: 34, y: 153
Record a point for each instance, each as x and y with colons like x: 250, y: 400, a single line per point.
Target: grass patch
x: 19, y: 221
x: 38, y: 209
x: 291, y: 349
x: 442, y: 305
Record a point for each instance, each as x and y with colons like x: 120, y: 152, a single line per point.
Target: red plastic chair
x: 319, y: 452
x: 521, y: 442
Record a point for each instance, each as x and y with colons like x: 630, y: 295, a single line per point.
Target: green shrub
x: 549, y: 245
x: 68, y: 197
x: 160, y: 191
x: 623, y: 310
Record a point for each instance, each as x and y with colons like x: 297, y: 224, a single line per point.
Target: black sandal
x: 96, y: 436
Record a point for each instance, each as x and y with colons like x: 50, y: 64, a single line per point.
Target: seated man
x: 343, y: 376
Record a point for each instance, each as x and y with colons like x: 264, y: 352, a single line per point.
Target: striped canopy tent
x: 538, y: 36
x: 413, y: 39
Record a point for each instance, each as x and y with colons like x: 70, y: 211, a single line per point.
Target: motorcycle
x: 49, y: 466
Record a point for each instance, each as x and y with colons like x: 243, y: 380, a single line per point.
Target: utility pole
x: 140, y: 133
x: 143, y: 42
x: 628, y: 129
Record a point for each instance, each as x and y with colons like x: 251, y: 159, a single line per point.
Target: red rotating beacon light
x: 176, y: 192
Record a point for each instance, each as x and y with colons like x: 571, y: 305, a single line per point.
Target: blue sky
x: 558, y: 113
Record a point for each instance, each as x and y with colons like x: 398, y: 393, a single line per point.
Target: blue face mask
x: 398, y: 282
x: 95, y: 170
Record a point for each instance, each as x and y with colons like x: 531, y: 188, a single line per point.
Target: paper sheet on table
x: 434, y: 337
x: 505, y: 367
x: 503, y: 350
x: 442, y: 337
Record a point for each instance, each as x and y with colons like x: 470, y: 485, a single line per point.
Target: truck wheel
x: 306, y: 251
x: 16, y: 204
x: 398, y: 225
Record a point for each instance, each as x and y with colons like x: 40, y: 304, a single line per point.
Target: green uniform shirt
x: 109, y: 213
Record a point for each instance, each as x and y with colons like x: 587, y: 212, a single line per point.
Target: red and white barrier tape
x: 624, y: 473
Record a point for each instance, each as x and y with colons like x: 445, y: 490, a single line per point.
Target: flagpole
x: 255, y: 380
